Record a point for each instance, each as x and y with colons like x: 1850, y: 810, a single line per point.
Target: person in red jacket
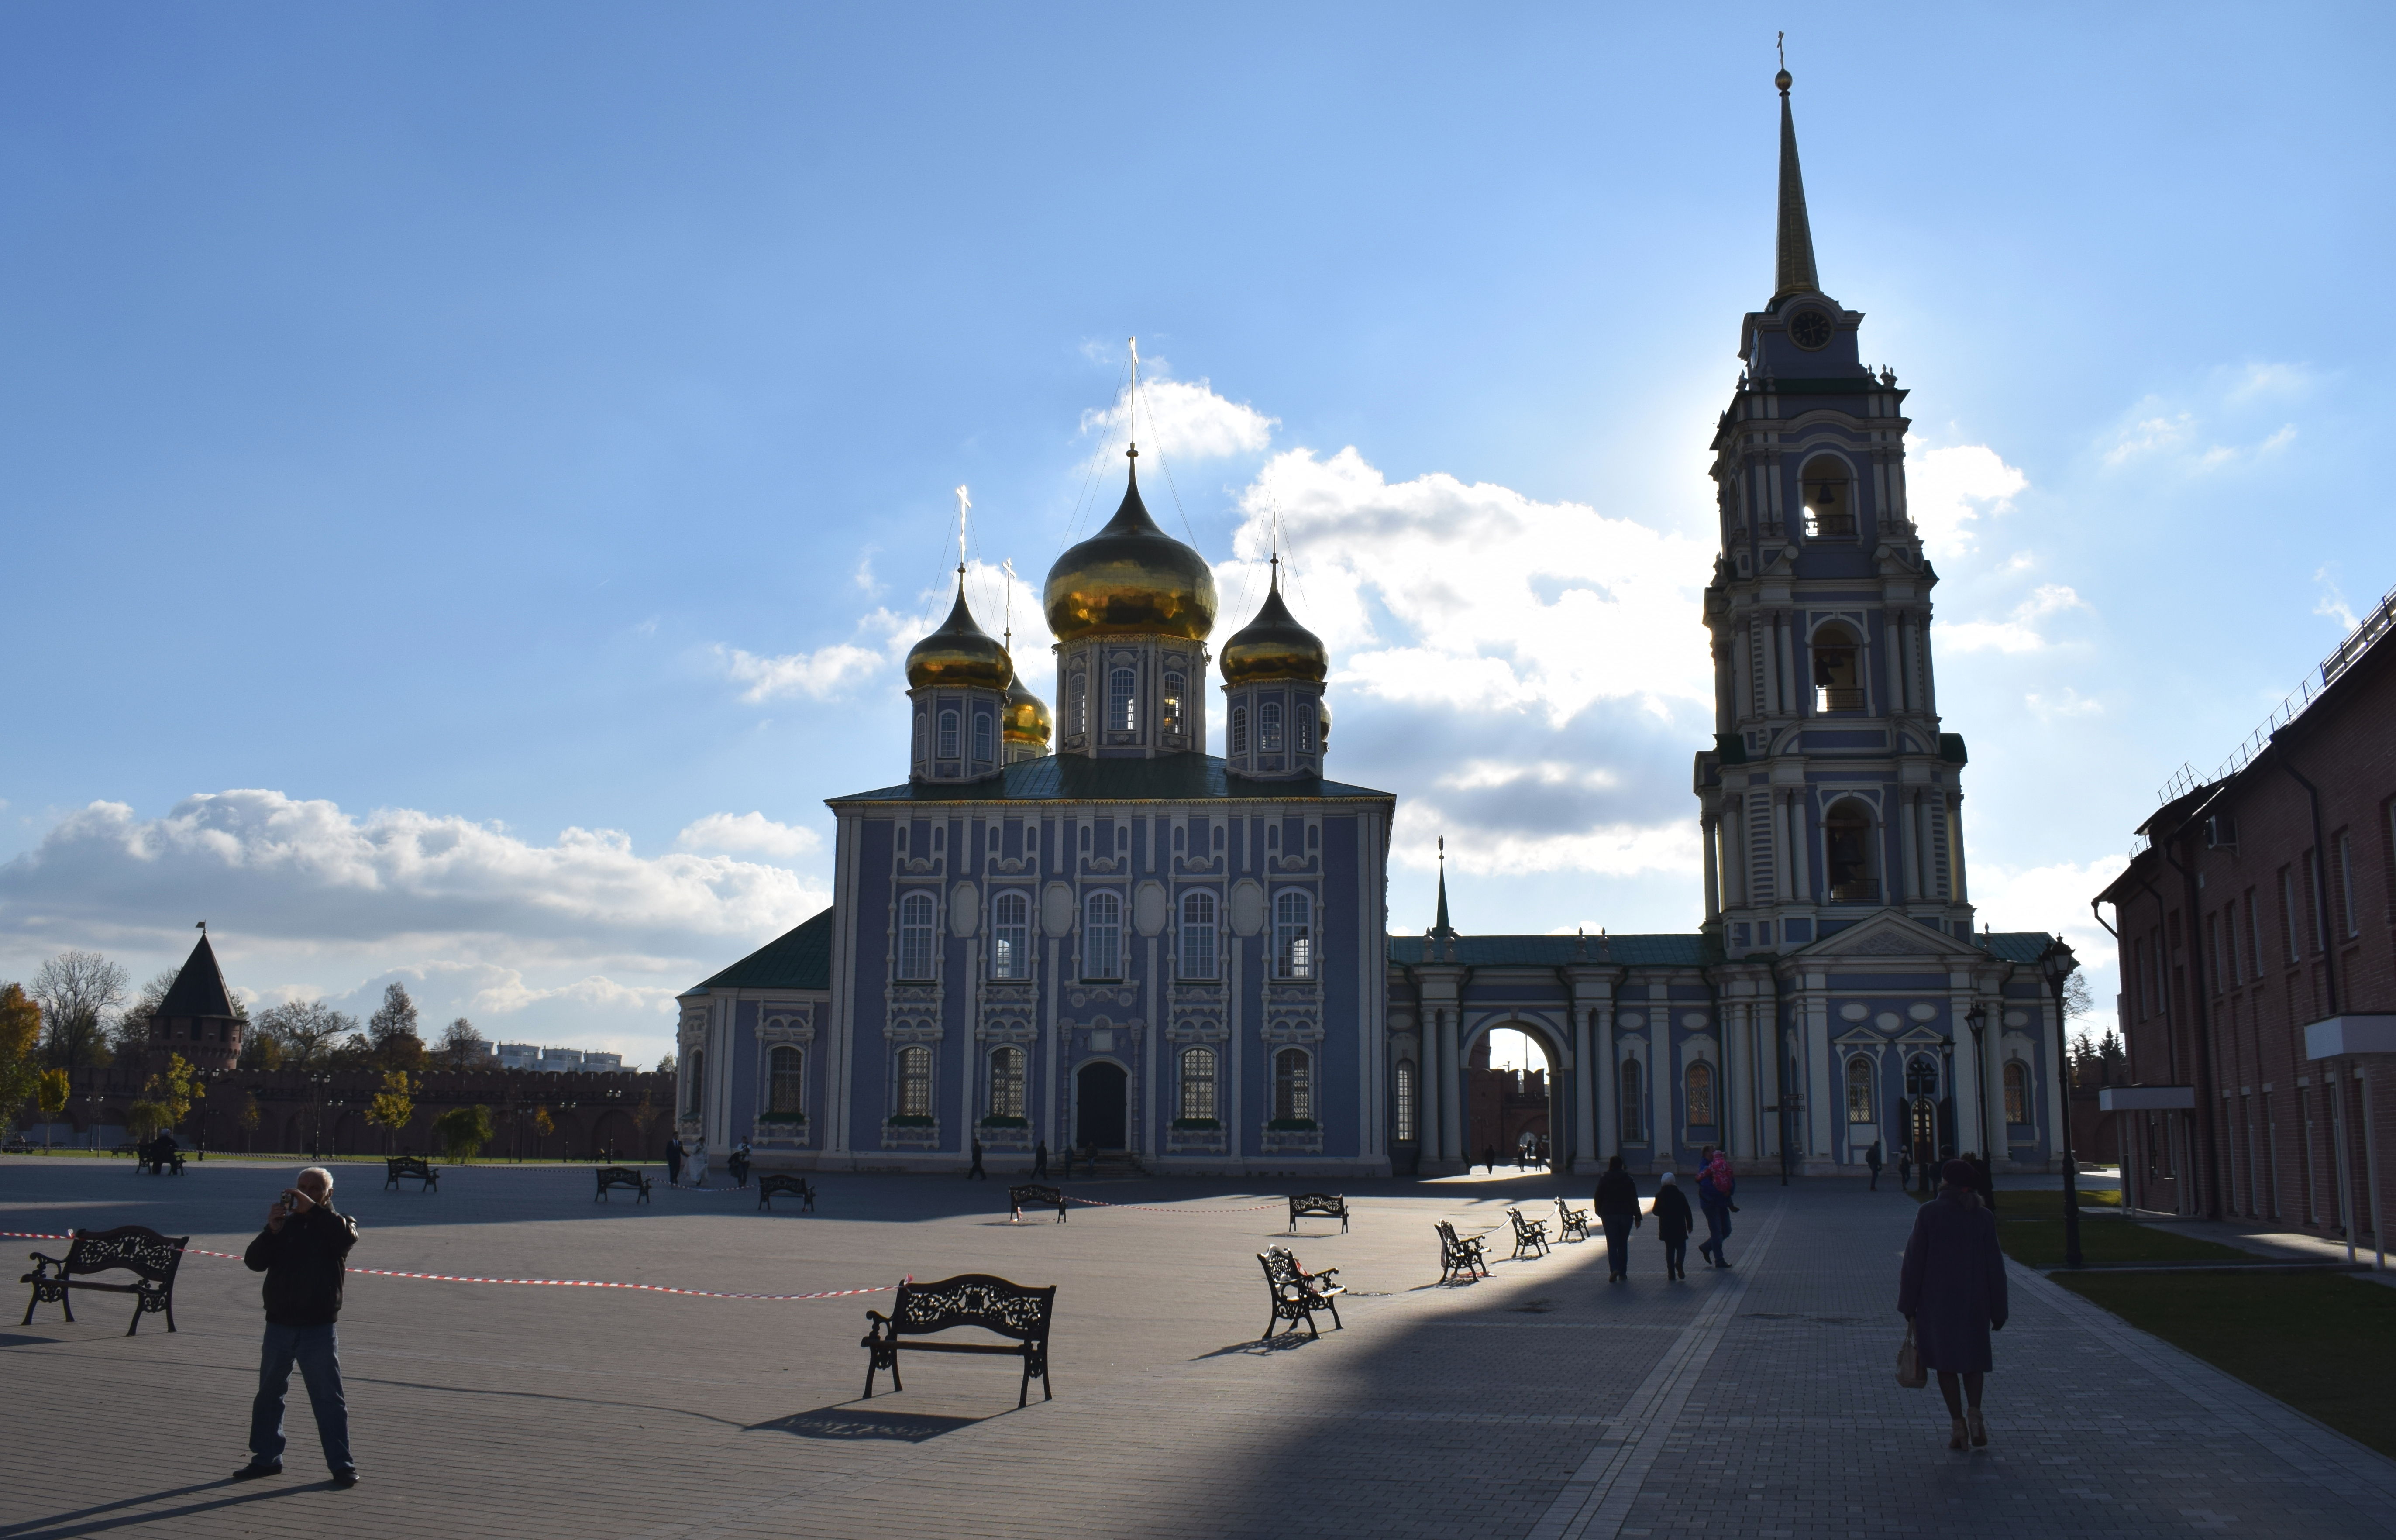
x: 1715, y: 1184
x: 303, y: 1251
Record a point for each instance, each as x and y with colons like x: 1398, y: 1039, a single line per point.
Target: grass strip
x: 2324, y: 1343
x: 2017, y: 1203
x: 2039, y: 1244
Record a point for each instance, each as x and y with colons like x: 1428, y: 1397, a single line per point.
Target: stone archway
x: 1501, y: 1108
x: 1101, y: 1105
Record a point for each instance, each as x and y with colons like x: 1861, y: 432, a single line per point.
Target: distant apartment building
x: 527, y: 1056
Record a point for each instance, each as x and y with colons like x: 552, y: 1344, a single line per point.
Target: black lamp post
x: 1977, y: 1018
x: 2057, y: 964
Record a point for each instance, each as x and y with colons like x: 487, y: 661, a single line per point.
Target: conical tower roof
x: 1130, y: 578
x: 199, y: 989
x: 1794, y: 250
x: 960, y: 653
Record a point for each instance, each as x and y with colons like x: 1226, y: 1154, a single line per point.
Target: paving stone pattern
x: 1543, y: 1402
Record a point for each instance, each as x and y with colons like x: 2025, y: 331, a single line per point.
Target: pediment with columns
x: 1889, y: 934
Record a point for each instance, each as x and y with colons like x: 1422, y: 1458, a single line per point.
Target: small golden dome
x: 959, y: 654
x: 1321, y: 721
x: 1131, y: 578
x: 1026, y: 718
x: 1275, y: 646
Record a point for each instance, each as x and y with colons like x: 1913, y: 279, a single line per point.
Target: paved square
x: 1544, y: 1401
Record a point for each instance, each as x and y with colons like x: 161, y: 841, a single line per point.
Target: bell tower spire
x: 1793, y: 270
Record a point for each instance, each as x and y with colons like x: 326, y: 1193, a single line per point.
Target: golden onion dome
x: 959, y: 654
x: 1131, y: 578
x: 1026, y: 718
x: 1321, y: 721
x: 1275, y: 646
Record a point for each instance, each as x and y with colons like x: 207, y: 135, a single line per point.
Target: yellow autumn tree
x: 394, y: 1104
x: 173, y: 1090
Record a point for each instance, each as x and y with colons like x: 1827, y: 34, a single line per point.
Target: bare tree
x: 307, y: 1030
x: 77, y: 990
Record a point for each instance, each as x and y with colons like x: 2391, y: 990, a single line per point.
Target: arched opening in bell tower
x: 1838, y: 678
x: 1829, y: 496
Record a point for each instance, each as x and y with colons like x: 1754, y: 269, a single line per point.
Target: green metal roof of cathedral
x: 1072, y: 777
x: 798, y: 959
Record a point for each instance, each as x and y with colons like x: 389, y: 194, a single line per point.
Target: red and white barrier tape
x: 544, y: 1282
x: 1150, y: 1208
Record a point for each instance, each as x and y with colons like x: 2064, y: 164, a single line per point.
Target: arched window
x: 1859, y: 1091
x: 1305, y: 729
x: 1123, y: 715
x: 786, y: 1080
x: 1102, y: 936
x: 919, y: 735
x: 914, y: 1081
x: 1294, y: 934
x: 697, y: 1082
x: 1922, y: 1076
x: 1198, y: 1082
x: 1010, y: 936
x: 1848, y: 854
x: 948, y: 734
x: 1698, y: 1085
x: 1406, y: 1099
x: 1198, y: 932
x: 1080, y: 713
x: 915, y: 915
x: 1007, y: 1082
x: 981, y: 736
x: 1239, y: 730
x: 2017, y: 1092
x: 1634, y: 1101
x: 1838, y: 680
x: 1269, y: 727
x: 1173, y: 689
x: 1829, y: 499
x: 1292, y: 1085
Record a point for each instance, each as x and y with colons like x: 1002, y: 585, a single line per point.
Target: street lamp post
x: 1977, y: 1019
x: 1947, y: 1056
x: 2056, y: 965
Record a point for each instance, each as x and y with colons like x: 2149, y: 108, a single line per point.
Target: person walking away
x: 1953, y: 1292
x: 304, y: 1252
x: 1489, y: 1155
x: 1040, y: 1159
x: 737, y: 1164
x: 1872, y: 1161
x: 1618, y: 1210
x: 1674, y: 1223
x: 1715, y: 1184
x: 977, y: 1170
x: 1983, y: 1181
x: 674, y: 1161
x: 1904, y: 1167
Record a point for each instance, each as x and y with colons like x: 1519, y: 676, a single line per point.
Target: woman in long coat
x: 1953, y: 1292
x: 1618, y: 1210
x: 1674, y: 1223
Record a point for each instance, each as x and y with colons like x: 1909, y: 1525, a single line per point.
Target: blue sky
x: 470, y: 471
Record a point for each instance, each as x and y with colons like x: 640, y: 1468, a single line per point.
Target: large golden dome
x: 959, y: 654
x: 1025, y: 719
x: 1131, y: 578
x: 1275, y: 646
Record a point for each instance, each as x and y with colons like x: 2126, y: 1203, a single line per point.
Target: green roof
x: 799, y: 959
x: 1073, y: 777
x: 1556, y: 951
x: 2015, y: 946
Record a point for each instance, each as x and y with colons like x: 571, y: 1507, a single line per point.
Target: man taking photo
x: 304, y: 1252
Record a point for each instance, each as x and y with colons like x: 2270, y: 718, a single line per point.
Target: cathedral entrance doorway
x: 1511, y: 1115
x: 1099, y: 1105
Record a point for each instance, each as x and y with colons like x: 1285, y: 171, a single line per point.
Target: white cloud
x: 1184, y: 420
x: 2151, y: 436
x: 2269, y: 381
x: 748, y: 831
x: 818, y: 674
x: 2018, y: 632
x: 2199, y: 440
x: 1948, y: 489
x: 1434, y: 590
x: 2071, y: 703
x: 1608, y: 850
x: 884, y: 635
x: 2055, y: 896
x: 2332, y: 602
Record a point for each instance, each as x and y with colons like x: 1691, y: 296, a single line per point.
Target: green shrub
x: 463, y: 1132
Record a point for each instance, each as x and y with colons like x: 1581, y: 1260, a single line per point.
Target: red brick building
x: 2257, y: 936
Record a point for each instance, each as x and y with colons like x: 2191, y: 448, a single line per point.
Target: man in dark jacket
x: 1618, y: 1210
x: 304, y: 1252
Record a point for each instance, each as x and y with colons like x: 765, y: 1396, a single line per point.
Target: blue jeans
x: 1717, y: 1227
x: 318, y: 1355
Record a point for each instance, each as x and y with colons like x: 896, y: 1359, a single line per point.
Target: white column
x: 1711, y: 824
x: 2371, y: 1166
x: 1800, y: 845
x: 1911, y: 885
x: 1955, y: 845
x: 2058, y: 1094
x: 1451, y: 1091
x: 1893, y: 691
x: 2337, y: 1088
x: 1609, y: 1136
x: 1585, y: 1089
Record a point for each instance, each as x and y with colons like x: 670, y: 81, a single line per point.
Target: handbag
x: 1909, y: 1372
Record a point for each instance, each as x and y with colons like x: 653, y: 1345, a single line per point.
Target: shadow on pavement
x: 849, y: 1421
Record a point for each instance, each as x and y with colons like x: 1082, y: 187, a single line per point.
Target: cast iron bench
x: 1296, y: 1293
x: 773, y: 1182
x: 1530, y: 1235
x: 621, y: 1176
x: 1328, y: 1206
x: 149, y: 1256
x: 1571, y: 1223
x: 397, y: 1166
x: 1037, y: 1197
x: 1459, y: 1257
x: 969, y: 1299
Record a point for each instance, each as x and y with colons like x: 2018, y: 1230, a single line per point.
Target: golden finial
x: 1784, y: 79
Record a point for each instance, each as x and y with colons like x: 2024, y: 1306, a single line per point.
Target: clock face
x: 1809, y: 329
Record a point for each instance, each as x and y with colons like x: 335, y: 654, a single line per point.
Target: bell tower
x: 1830, y: 792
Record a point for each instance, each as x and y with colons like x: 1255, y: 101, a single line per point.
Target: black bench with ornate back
x: 1327, y: 1205
x: 1459, y: 1259
x: 1035, y: 1196
x: 1571, y: 1223
x: 772, y: 1182
x: 969, y: 1299
x: 1296, y: 1293
x: 149, y: 1256
x: 416, y: 1166
x: 1530, y: 1235
x: 621, y: 1176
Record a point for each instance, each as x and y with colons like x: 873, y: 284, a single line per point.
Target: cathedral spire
x: 1442, y: 929
x: 1795, y: 266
